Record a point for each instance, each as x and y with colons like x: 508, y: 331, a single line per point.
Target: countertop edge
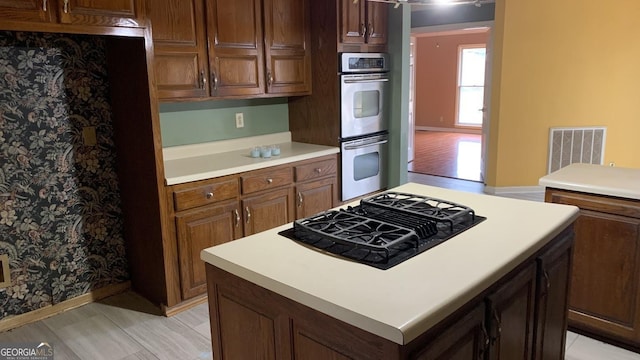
x: 585, y: 188
x: 273, y: 161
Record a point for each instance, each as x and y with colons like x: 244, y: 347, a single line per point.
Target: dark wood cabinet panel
x: 377, y: 14
x: 466, y: 340
x: 27, y: 10
x: 287, y: 40
x: 314, y: 197
x: 554, y: 269
x: 363, y: 22
x: 266, y: 211
x: 256, y: 181
x: 114, y: 13
x: 198, y: 230
x: 236, y: 49
x: 604, y: 297
x: 127, y: 13
x: 179, y: 38
x: 352, y: 22
x: 511, y: 311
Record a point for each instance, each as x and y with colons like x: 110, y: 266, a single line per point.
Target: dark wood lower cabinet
x: 604, y: 298
x: 521, y: 316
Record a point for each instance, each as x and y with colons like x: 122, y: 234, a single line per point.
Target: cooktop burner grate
x: 385, y: 229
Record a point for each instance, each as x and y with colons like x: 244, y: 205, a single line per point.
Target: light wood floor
x: 127, y: 327
x: 453, y: 155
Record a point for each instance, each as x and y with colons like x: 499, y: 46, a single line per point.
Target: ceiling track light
x: 397, y: 3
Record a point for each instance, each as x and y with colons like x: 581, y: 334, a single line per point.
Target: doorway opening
x: 449, y: 96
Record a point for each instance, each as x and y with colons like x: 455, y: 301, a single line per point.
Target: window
x: 470, y: 99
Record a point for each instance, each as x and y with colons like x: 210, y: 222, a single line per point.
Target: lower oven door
x: 364, y: 162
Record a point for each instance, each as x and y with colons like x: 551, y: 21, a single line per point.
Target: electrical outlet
x: 89, y: 136
x: 239, y: 120
x: 5, y: 277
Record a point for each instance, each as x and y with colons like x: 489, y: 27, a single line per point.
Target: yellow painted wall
x: 562, y: 63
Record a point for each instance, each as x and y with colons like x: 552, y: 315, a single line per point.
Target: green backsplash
x: 199, y: 122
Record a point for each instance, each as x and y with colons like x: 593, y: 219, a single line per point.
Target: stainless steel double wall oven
x: 364, y: 81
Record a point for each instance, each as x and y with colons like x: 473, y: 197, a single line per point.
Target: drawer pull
x: 546, y: 279
x: 237, y: 213
x: 300, y: 199
x: 248, y: 214
x: 318, y: 170
x: 269, y: 180
x: 44, y: 5
x: 65, y: 7
x: 209, y: 195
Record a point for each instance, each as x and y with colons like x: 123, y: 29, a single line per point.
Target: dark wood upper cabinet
x: 377, y: 23
x: 231, y: 49
x: 180, y: 47
x: 236, y: 55
x: 363, y: 22
x: 27, y: 10
x: 287, y: 40
x: 104, y: 13
x: 120, y: 13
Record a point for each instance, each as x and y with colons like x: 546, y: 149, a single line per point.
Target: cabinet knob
x: 269, y: 78
x: 269, y: 180
x: 215, y: 80
x: 209, y: 195
x: 203, y: 80
x: 318, y: 170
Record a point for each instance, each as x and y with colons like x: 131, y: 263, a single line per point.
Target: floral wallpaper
x: 60, y: 215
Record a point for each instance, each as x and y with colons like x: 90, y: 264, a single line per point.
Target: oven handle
x: 364, y: 81
x: 365, y: 145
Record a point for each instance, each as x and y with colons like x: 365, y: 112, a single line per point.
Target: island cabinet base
x: 521, y: 316
x: 605, y: 285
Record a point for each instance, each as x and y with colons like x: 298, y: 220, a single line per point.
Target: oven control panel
x: 364, y: 62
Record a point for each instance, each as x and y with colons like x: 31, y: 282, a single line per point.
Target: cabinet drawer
x: 205, y: 194
x: 254, y: 182
x: 315, y: 170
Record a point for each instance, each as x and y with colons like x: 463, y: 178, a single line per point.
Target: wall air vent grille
x: 568, y: 145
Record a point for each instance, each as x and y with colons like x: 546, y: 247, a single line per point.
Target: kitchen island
x: 605, y: 286
x: 499, y: 287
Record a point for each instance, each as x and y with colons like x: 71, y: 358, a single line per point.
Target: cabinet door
x: 104, y: 13
x: 606, y: 270
x: 352, y: 22
x: 314, y: 197
x: 236, y: 48
x: 200, y: 229
x: 465, y: 339
x: 180, y: 46
x: 287, y: 40
x: 511, y: 313
x: 266, y: 211
x: 604, y: 296
x: 27, y: 10
x: 377, y: 23
x: 554, y: 269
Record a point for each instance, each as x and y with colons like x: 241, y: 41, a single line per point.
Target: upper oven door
x: 363, y: 104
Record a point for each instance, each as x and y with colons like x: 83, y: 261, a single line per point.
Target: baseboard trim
x: 45, y: 312
x: 452, y: 130
x: 185, y: 305
x: 492, y: 190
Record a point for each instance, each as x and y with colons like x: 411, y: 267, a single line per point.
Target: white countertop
x: 402, y: 302
x: 204, y: 161
x: 596, y: 179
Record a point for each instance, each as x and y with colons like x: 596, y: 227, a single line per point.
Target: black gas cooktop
x: 386, y: 229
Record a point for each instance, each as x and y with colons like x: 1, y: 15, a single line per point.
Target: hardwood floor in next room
x: 448, y: 154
